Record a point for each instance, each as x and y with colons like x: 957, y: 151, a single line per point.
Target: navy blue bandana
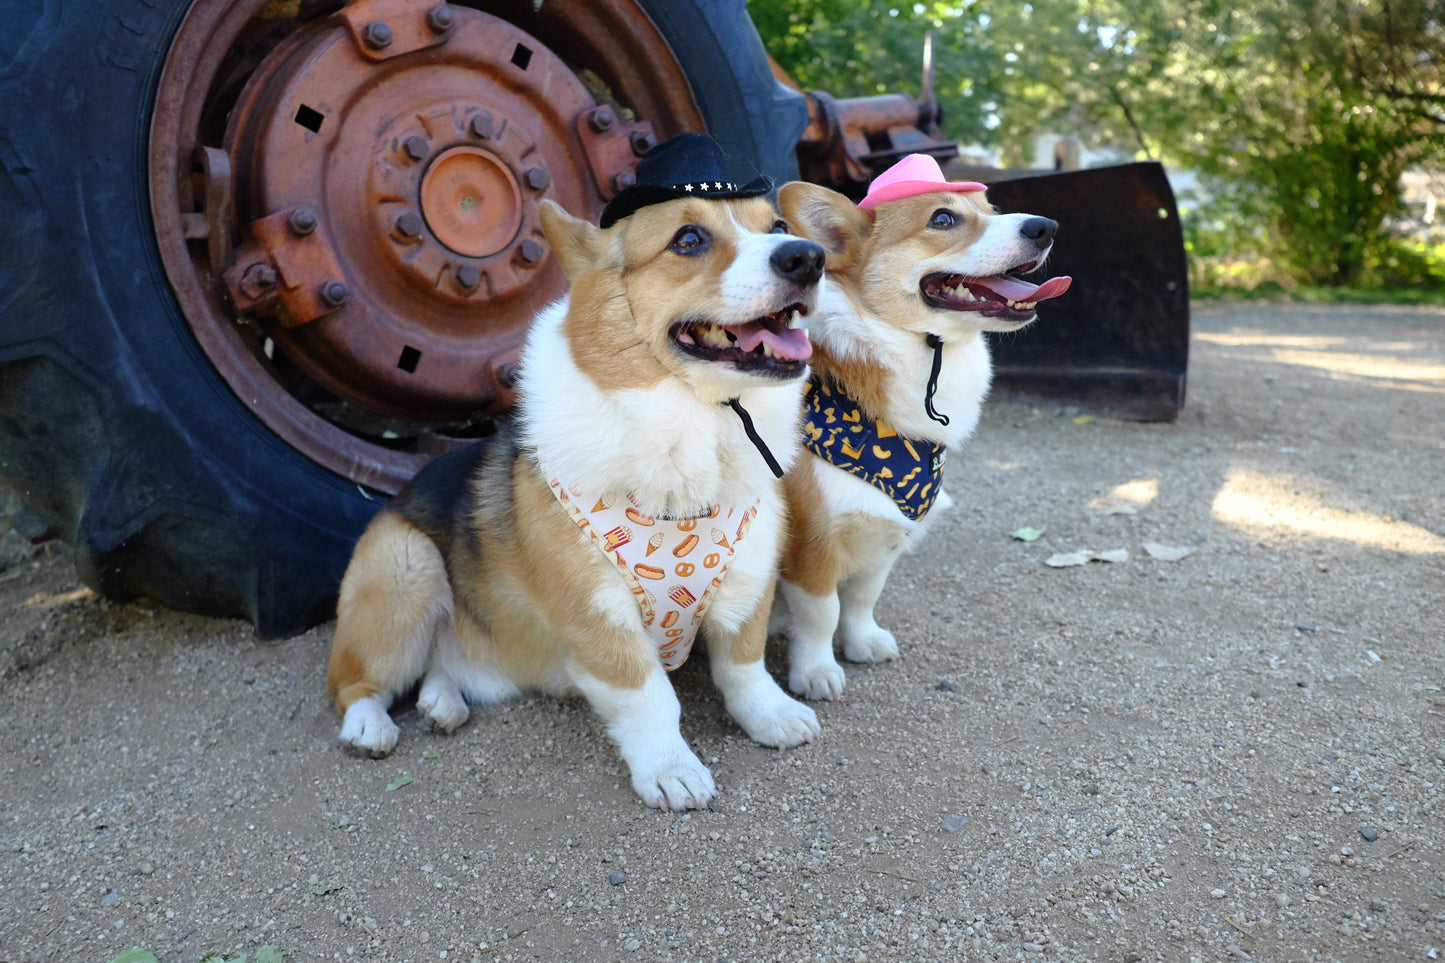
x: 835, y: 429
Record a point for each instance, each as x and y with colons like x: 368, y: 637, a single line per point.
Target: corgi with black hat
x: 632, y: 508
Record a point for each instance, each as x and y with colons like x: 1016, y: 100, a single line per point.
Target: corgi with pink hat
x: 916, y: 273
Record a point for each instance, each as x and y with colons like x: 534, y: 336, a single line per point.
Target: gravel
x: 1157, y: 759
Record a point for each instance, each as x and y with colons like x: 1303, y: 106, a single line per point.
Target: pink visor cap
x: 914, y: 175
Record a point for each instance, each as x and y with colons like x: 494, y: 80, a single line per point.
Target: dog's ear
x: 578, y: 243
x: 826, y: 218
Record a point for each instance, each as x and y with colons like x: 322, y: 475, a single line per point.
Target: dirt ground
x: 1237, y: 754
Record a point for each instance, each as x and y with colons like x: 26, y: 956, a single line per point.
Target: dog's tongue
x: 1014, y: 289
x: 791, y: 344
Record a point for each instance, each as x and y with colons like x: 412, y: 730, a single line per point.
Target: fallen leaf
x: 321, y: 889
x: 431, y: 754
x: 405, y: 779
x: 1167, y: 553
x: 1028, y: 534
x: 1083, y: 419
x: 269, y: 954
x: 1069, y: 559
x: 136, y: 955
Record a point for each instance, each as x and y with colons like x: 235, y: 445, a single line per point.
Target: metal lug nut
x: 408, y: 224
x: 376, y: 35
x: 538, y: 178
x: 301, y: 222
x: 642, y: 142
x: 531, y: 251
x: 260, y: 276
x: 334, y: 294
x: 483, y: 125
x: 468, y: 276
x: 601, y: 119
x: 440, y: 19
x: 622, y: 181
x: 416, y: 147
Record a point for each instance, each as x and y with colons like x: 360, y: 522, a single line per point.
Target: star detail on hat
x: 681, y: 166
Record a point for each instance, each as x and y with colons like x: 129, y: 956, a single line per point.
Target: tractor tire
x: 117, y: 432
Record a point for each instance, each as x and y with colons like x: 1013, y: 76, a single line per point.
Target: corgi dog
x: 630, y: 503
x: 916, y: 272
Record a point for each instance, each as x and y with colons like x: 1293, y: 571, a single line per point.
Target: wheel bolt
x: 622, y: 181
x: 642, y: 142
x: 483, y: 126
x: 408, y: 224
x: 260, y: 276
x: 468, y: 276
x: 439, y: 19
x: 334, y: 294
x: 301, y: 222
x: 601, y: 119
x: 376, y: 35
x: 531, y: 251
x: 538, y: 178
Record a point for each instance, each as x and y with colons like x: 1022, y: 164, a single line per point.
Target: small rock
x: 145, y: 869
x: 1216, y: 894
x: 1307, y: 627
x: 953, y: 823
x: 1378, y: 906
x: 945, y: 686
x: 1369, y: 833
x: 110, y: 898
x: 617, y: 877
x: 633, y: 944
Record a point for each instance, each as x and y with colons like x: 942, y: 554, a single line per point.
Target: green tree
x: 1303, y: 112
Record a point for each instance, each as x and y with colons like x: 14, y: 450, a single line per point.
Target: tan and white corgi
x: 916, y: 273
x: 627, y: 506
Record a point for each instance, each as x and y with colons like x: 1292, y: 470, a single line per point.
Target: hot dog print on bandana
x: 908, y: 471
x: 672, y: 565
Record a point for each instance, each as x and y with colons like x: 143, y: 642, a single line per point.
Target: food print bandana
x: 672, y: 564
x: 835, y: 429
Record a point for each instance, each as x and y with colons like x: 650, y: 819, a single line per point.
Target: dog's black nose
x: 799, y: 261
x: 1040, y: 230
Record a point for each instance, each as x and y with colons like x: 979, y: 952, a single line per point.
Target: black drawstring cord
x: 755, y: 438
x: 936, y: 343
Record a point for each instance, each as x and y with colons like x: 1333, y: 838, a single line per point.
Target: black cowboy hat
x: 686, y: 165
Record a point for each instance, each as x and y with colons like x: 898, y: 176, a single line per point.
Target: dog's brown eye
x: 690, y: 239
x: 943, y: 219
x: 780, y: 227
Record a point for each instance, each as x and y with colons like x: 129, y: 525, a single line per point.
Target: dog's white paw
x: 366, y: 726
x: 871, y: 644
x: 441, y: 702
x: 776, y: 719
x: 675, y: 779
x: 820, y: 679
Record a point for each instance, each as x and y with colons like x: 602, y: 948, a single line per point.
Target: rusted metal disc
x: 471, y: 201
x: 399, y: 298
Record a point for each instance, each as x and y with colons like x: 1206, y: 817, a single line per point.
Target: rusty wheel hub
x: 357, y: 245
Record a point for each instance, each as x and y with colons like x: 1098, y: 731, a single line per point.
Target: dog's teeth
x: 1027, y: 305
x: 768, y: 351
x: 794, y: 319
x: 964, y: 293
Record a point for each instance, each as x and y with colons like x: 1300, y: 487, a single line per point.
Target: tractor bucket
x: 1118, y: 341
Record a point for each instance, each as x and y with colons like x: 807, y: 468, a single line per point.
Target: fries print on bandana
x: 909, y: 471
x: 672, y: 565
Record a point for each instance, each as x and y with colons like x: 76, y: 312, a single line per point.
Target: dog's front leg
x: 753, y: 697
x: 864, y: 640
x: 813, y: 672
x: 642, y: 714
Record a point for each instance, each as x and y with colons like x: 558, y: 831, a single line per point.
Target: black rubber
x: 116, y: 434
